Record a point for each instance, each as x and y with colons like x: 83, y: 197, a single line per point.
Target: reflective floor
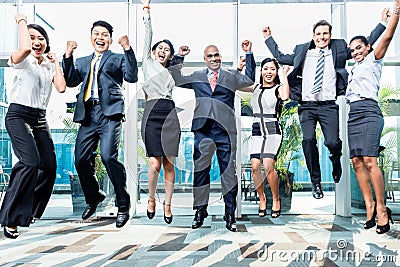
x: 62, y: 239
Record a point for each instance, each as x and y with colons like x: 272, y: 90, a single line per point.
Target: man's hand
x: 246, y: 46
x: 184, y: 50
x: 124, y: 42
x: 71, y: 46
x: 266, y: 31
x: 242, y: 63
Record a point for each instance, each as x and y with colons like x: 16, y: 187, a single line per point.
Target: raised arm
x: 283, y: 90
x: 250, y: 65
x: 285, y: 59
x: 71, y: 74
x: 148, y: 35
x: 24, y: 40
x: 387, y: 37
x: 129, y: 65
x: 58, y: 78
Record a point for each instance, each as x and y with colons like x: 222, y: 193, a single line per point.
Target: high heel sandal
x: 381, y: 229
x: 168, y: 220
x: 262, y: 213
x: 151, y: 214
x: 371, y: 223
x: 13, y: 234
x: 276, y: 213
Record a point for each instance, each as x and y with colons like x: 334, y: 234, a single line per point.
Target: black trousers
x: 206, y: 140
x: 33, y: 176
x: 327, y: 114
x: 106, y: 130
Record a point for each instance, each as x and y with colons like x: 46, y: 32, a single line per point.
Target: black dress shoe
x: 317, y: 191
x: 336, y: 168
x: 122, y: 218
x: 91, y: 207
x: 230, y: 220
x: 199, y: 218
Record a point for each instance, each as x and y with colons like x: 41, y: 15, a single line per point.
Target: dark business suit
x: 325, y: 112
x: 214, y: 128
x: 101, y: 122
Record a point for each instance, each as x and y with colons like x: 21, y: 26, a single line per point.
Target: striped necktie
x: 88, y: 90
x: 213, y: 80
x: 319, y: 73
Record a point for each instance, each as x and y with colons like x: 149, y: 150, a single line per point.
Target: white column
x: 130, y: 125
x: 343, y: 188
x: 237, y: 111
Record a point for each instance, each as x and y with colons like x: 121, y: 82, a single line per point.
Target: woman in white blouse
x: 33, y: 176
x: 365, y: 122
x: 160, y: 124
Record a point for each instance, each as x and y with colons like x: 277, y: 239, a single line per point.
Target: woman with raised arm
x: 160, y: 124
x: 365, y: 123
x: 266, y: 137
x: 33, y: 176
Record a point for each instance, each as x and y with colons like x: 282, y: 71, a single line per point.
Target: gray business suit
x: 214, y: 128
x: 101, y: 122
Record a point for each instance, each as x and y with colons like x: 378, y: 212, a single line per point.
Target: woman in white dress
x: 266, y: 139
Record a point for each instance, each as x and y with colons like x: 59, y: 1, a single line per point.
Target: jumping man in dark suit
x: 100, y: 110
x: 214, y: 128
x: 317, y: 99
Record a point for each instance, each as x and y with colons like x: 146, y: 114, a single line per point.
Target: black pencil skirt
x: 160, y: 128
x: 364, y: 127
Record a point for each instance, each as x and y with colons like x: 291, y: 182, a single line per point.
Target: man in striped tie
x: 318, y: 78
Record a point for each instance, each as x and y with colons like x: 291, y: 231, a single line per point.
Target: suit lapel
x: 104, y: 58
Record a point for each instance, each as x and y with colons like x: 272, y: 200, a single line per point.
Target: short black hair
x: 265, y: 61
x: 322, y: 23
x: 43, y: 33
x: 104, y: 24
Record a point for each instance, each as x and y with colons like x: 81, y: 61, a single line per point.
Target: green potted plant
x: 291, y: 144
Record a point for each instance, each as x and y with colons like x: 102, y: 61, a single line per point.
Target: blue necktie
x: 319, y: 73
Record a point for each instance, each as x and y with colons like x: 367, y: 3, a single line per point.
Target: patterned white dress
x: 266, y: 132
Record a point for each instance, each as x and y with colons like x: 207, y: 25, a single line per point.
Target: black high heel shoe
x: 168, y: 220
x: 151, y: 214
x: 381, y: 229
x: 276, y: 213
x: 371, y: 223
x: 13, y: 234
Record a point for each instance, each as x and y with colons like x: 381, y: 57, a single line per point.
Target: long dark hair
x: 171, y: 48
x: 265, y: 61
x: 43, y: 33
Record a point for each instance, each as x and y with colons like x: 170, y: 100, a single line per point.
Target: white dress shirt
x: 328, y: 91
x: 32, y: 83
x: 158, y: 81
x: 364, y: 80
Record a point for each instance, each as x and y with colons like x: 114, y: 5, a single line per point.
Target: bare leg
x: 258, y: 181
x: 364, y: 183
x: 154, y: 170
x: 169, y: 181
x: 371, y: 164
x: 272, y: 177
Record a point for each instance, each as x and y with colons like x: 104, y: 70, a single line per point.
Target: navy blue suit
x: 214, y: 128
x: 101, y: 122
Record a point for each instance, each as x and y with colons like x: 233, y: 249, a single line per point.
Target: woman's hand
x: 20, y: 17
